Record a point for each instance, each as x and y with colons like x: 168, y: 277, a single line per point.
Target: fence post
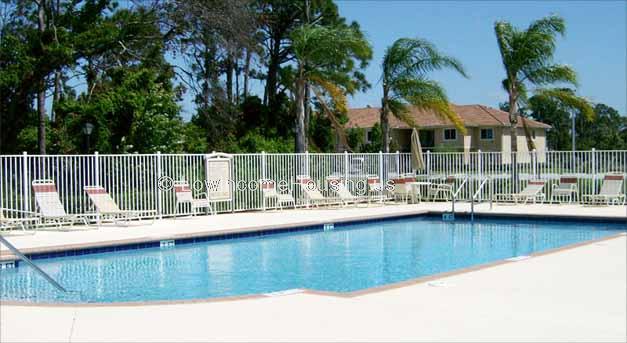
x: 594, y: 171
x: 345, y: 165
x: 398, y: 163
x: 428, y: 164
x: 97, y: 168
x: 159, y: 199
x: 307, y: 163
x: 25, y: 186
x: 263, y: 165
x: 534, y: 161
x: 381, y: 166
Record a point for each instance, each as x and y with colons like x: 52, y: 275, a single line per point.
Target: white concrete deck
x: 572, y: 295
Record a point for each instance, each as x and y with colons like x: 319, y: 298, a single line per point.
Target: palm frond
x: 430, y: 96
x: 552, y: 74
x: 569, y: 100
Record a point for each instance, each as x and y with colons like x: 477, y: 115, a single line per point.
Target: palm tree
x: 327, y: 60
x: 528, y: 61
x: 405, y: 65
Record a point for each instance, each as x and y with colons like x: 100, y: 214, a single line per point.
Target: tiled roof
x: 471, y: 115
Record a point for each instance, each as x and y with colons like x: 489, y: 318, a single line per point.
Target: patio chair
x: 106, y: 207
x: 376, y: 189
x: 8, y: 223
x: 567, y: 188
x: 442, y: 189
x: 49, y: 205
x: 184, y: 195
x: 311, y: 192
x: 533, y: 192
x: 611, y: 191
x: 339, y: 188
x: 270, y: 193
x: 402, y: 188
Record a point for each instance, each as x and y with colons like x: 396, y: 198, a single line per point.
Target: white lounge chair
x: 339, y: 188
x: 310, y: 190
x: 106, y: 207
x: 611, y: 191
x: 49, y: 205
x: 184, y: 195
x: 567, y: 188
x: 270, y: 194
x: 8, y: 223
x: 533, y: 192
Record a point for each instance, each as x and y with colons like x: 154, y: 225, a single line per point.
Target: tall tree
x: 527, y: 57
x: 405, y: 67
x: 328, y: 59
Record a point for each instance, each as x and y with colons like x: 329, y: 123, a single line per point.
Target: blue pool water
x: 350, y: 257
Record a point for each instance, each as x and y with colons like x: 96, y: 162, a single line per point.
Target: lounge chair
x: 184, y: 195
x: 310, y: 191
x: 567, y: 188
x: 611, y: 191
x: 49, y: 205
x: 533, y: 192
x: 106, y: 207
x: 8, y: 223
x: 339, y: 188
x: 442, y: 189
x: 270, y: 193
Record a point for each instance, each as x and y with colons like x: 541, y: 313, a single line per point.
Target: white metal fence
x: 132, y: 180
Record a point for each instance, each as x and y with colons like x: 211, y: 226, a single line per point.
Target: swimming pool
x: 347, y: 258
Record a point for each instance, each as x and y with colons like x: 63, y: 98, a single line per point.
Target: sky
x: 594, y: 43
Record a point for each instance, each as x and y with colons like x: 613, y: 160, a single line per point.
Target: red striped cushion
x: 45, y: 188
x: 96, y: 191
x: 373, y: 180
x: 568, y: 180
x: 182, y: 189
x: 537, y: 183
x: 613, y: 177
x: 267, y: 185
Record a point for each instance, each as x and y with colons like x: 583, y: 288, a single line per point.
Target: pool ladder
x: 28, y: 261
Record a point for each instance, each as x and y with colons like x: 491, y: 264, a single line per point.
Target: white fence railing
x: 132, y: 180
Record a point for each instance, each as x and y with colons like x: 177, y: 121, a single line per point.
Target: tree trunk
x: 56, y: 96
x: 513, y: 121
x: 273, y: 70
x: 246, y: 72
x: 41, y: 95
x: 301, y: 138
x: 385, y: 125
x: 229, y: 78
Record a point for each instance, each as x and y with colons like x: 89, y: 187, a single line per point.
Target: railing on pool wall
x: 26, y: 260
x: 133, y: 179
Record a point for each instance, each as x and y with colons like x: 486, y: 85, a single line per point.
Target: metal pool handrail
x: 454, y: 195
x: 28, y: 261
x: 474, y: 197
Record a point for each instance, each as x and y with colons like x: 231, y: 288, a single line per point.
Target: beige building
x: 487, y: 129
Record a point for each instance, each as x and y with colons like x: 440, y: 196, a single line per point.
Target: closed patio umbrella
x: 417, y: 162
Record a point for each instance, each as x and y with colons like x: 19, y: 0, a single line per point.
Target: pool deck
x: 574, y: 294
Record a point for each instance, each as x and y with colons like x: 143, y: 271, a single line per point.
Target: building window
x: 533, y: 134
x: 450, y: 134
x: 369, y: 136
x: 487, y: 134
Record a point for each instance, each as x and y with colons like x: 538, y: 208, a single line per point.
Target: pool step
x: 328, y: 227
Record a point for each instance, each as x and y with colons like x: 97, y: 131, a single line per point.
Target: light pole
x: 88, y: 128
